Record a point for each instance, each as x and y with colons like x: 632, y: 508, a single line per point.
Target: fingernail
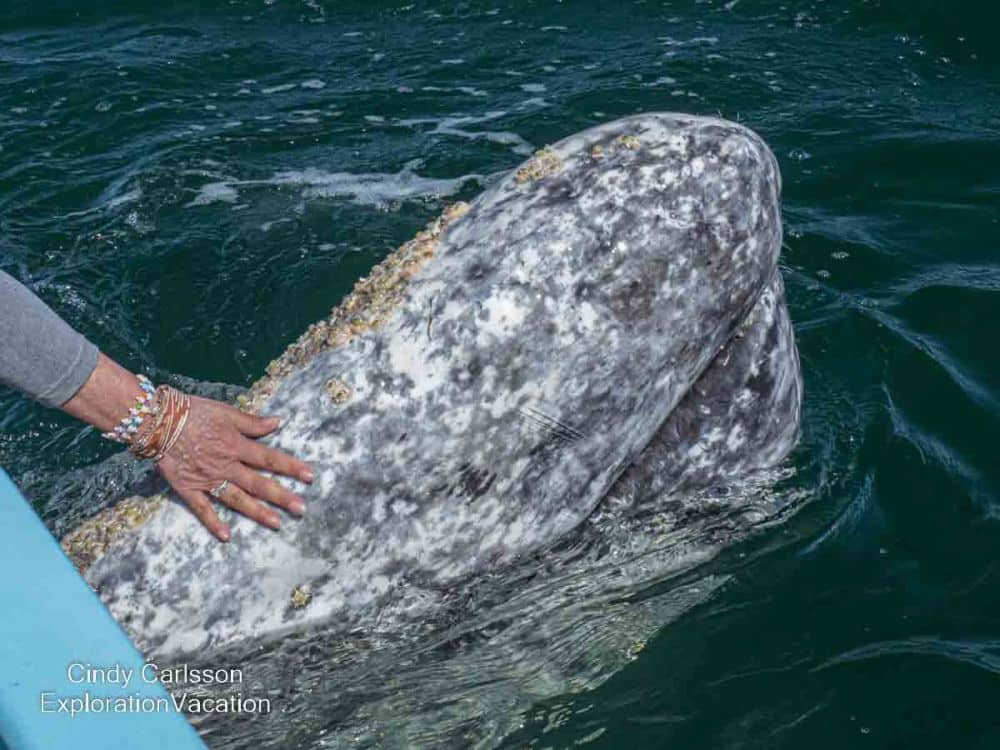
x: 308, y: 476
x: 224, y: 534
x: 274, y: 522
x: 276, y: 421
x: 298, y: 508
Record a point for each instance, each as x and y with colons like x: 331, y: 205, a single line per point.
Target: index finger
x: 201, y: 506
x: 274, y: 461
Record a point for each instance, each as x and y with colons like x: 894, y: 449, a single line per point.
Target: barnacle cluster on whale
x: 370, y: 303
x: 88, y: 542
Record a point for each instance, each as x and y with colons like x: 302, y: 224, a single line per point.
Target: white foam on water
x: 108, y: 203
x: 661, y: 81
x: 470, y: 90
x: 535, y: 101
x: 129, y: 197
x: 278, y: 88
x: 667, y: 41
x: 374, y: 189
x: 452, y: 126
x: 215, y: 192
x: 267, y: 226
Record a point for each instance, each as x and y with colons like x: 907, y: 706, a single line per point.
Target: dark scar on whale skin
x: 607, y: 322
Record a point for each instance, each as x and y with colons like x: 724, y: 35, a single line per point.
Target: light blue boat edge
x: 51, y: 620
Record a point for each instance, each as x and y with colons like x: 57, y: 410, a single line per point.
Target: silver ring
x: 219, y: 489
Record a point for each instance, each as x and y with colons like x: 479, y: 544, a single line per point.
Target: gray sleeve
x: 39, y: 353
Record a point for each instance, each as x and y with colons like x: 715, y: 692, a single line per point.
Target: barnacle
x: 86, y: 544
x: 338, y: 391
x: 301, y: 596
x: 631, y: 142
x: 542, y: 164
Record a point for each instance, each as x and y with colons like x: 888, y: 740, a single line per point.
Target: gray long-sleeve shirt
x: 39, y: 353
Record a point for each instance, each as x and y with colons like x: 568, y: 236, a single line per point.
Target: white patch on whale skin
x: 503, y: 313
x: 407, y: 357
x: 735, y: 439
x: 458, y: 420
x: 587, y: 318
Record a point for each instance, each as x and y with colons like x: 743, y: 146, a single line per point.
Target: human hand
x: 219, y: 445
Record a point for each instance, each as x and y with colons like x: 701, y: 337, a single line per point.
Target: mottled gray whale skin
x: 606, y: 322
x: 740, y: 416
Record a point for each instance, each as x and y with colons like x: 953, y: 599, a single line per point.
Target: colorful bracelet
x: 182, y: 409
x: 152, y: 425
x: 172, y: 409
x: 130, y: 424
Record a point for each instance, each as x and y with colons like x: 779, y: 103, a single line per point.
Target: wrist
x: 106, y: 397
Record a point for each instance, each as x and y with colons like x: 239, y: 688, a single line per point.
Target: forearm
x: 40, y: 354
x: 203, y: 448
x: 106, y: 396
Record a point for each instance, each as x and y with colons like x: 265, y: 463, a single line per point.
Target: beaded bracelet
x: 153, y: 426
x: 130, y: 424
x: 144, y: 437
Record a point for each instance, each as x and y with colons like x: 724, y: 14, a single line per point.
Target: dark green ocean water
x: 192, y: 183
